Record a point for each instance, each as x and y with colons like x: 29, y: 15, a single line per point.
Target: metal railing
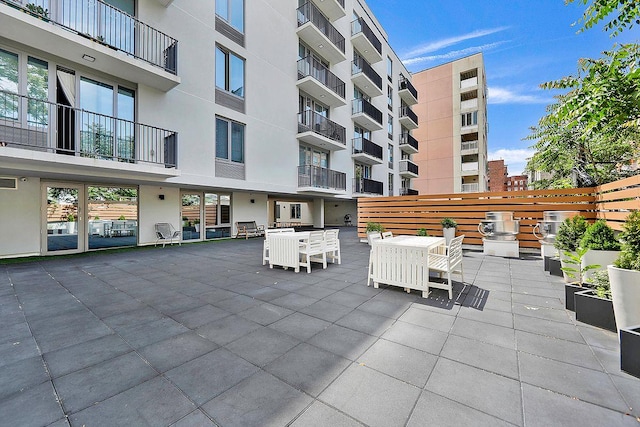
x: 39, y: 125
x: 103, y: 23
x: 360, y: 26
x: 407, y: 165
x: 319, y: 177
x: 367, y: 186
x: 470, y: 188
x: 364, y: 146
x: 405, y: 84
x: 308, y: 12
x: 408, y: 192
x: 408, y: 112
x: 312, y: 121
x: 359, y: 65
x: 311, y: 66
x: 407, y: 139
x: 361, y: 105
x: 469, y: 145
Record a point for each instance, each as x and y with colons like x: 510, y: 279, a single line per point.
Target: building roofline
x: 450, y: 62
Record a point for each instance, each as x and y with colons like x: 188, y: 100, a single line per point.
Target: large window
x: 390, y: 126
x: 8, y: 83
x: 229, y: 72
x: 229, y: 140
x: 231, y: 11
x: 389, y: 69
x: 390, y: 98
x: 470, y: 119
x: 295, y: 211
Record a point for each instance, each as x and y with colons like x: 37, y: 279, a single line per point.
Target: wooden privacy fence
x: 406, y: 214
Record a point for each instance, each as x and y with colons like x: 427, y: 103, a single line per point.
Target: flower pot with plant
x: 624, y: 275
x: 422, y: 232
x: 575, y: 272
x: 602, y: 247
x: 196, y: 224
x: 373, y: 227
x: 37, y: 11
x: 568, y: 239
x: 448, y: 229
x: 593, y: 305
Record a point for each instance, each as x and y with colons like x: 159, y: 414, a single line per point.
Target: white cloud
x: 440, y: 44
x: 503, y: 95
x: 452, y: 54
x: 515, y: 159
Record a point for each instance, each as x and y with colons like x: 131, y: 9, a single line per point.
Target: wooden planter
x: 594, y: 311
x: 629, y: 350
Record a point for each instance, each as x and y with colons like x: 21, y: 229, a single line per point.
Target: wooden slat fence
x: 616, y: 199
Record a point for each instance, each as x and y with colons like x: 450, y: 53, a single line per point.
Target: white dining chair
x: 449, y: 262
x: 332, y: 245
x: 313, y: 247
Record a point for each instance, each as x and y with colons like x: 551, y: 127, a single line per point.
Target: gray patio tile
x: 485, y: 332
x: 83, y: 388
x: 481, y: 355
x: 597, y: 337
x: 21, y: 375
x: 73, y: 330
x: 136, y: 317
x: 557, y: 349
x: 368, y: 323
x: 263, y: 345
x: 417, y: 337
x: 541, y: 312
x: 80, y: 356
x: 227, y: 329
x: 398, y: 361
x: 154, y: 403
x: 260, y: 400
x: 204, y: 378
x: 435, y: 410
x: 428, y: 319
x: 267, y: 293
x: 545, y: 408
x: 177, y: 304
x: 342, y: 341
x: 216, y: 295
x: 147, y: 333
x: 195, y: 419
x: 33, y: 407
x: 237, y: 304
x: 565, y: 331
x: 13, y: 351
x: 335, y: 284
x: 347, y: 299
x: 199, y: 316
x: 321, y: 415
x: 629, y: 387
x: 494, y: 317
x: 539, y: 289
x: 300, y: 326
x: 318, y: 292
x: 308, y: 368
x: 265, y: 313
x: 289, y: 285
x: 574, y: 381
x: 175, y: 351
x: 103, y: 311
x: 325, y: 310
x: 371, y: 397
x: 359, y: 289
x: 478, y: 389
x: 385, y: 308
x: 540, y: 301
x: 60, y: 423
x: 294, y: 301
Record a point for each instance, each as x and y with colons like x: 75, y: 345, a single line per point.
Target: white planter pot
x: 369, y: 233
x: 625, y: 292
x: 564, y: 264
x: 197, y: 227
x: 71, y: 227
x: 449, y: 234
x: 601, y: 258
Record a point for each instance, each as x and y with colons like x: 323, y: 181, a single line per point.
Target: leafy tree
x: 627, y: 13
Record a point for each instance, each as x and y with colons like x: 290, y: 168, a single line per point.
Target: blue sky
x: 524, y: 43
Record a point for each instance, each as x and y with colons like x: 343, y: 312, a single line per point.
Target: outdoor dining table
x: 404, y: 261
x: 284, y: 249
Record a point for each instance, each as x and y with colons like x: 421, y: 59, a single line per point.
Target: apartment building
x: 452, y: 110
x: 117, y: 115
x: 498, y: 175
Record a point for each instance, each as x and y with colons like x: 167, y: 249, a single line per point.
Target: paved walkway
x: 203, y: 334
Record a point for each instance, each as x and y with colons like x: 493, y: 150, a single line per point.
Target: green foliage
x: 448, y: 223
x: 570, y: 233
x: 96, y: 218
x: 122, y: 218
x: 37, y: 10
x: 575, y: 258
x: 374, y: 226
x: 627, y: 13
x: 600, y: 282
x: 71, y: 217
x: 422, y: 232
x: 600, y: 237
x: 629, y: 258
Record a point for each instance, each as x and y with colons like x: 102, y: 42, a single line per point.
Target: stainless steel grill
x: 499, y: 226
x: 548, y: 227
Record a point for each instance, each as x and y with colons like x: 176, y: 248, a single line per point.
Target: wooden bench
x: 249, y: 229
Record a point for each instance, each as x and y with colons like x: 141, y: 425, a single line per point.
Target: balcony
x: 95, y: 35
x: 469, y: 104
x: 317, y: 130
x: 469, y: 83
x: 365, y: 41
x: 316, y: 80
x: 366, y: 152
x: 469, y: 147
x: 366, y: 115
x: 315, y: 29
x: 366, y: 78
x: 470, y: 188
x: 408, y: 118
x: 39, y: 134
x: 316, y: 179
x: 469, y: 168
x: 407, y: 92
x: 332, y: 9
x: 408, y: 169
x: 408, y: 144
x: 408, y: 192
x: 367, y: 186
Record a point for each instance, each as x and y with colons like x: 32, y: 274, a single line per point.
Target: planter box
x: 629, y: 350
x: 594, y: 311
x: 555, y: 267
x: 569, y: 291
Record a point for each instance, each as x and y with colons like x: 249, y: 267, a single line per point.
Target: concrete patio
x: 203, y: 334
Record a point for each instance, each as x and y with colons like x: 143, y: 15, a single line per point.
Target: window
x: 470, y: 119
x: 390, y: 152
x: 358, y: 94
x: 229, y: 72
x: 8, y: 83
x: 391, y: 184
x: 390, y: 98
x: 295, y: 211
x: 389, y: 69
x: 390, y: 126
x: 231, y: 11
x: 229, y: 140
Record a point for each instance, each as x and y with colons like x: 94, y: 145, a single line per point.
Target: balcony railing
x: 469, y: 145
x: 311, y: 66
x: 364, y: 146
x: 469, y: 166
x: 363, y: 106
x: 319, y: 177
x: 407, y: 139
x: 408, y: 192
x: 362, y: 66
x: 360, y: 26
x: 312, y: 121
x: 367, y: 186
x: 470, y: 188
x: 408, y: 166
x: 39, y: 125
x: 308, y: 12
x: 406, y: 84
x: 408, y: 112
x: 103, y: 23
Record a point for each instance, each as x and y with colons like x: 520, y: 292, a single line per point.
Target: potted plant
x: 593, y: 305
x: 373, y: 227
x: 448, y: 229
x: 37, y: 11
x: 422, y: 232
x: 624, y: 275
x: 71, y: 223
x: 196, y: 224
x: 602, y: 247
x: 575, y: 272
x: 568, y: 239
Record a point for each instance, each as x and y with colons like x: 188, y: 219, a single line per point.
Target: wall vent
x: 8, y: 183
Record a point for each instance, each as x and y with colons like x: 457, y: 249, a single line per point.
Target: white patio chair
x: 332, y: 245
x: 313, y: 247
x: 372, y: 237
x: 450, y: 262
x: 387, y: 234
x: 164, y: 232
x: 265, y: 245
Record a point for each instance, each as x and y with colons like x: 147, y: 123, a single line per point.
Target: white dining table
x: 284, y: 249
x: 404, y: 261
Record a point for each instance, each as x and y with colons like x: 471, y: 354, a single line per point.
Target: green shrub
x: 374, y: 226
x: 600, y: 282
x: 121, y: 218
x: 575, y: 258
x: 629, y: 258
x: 570, y: 233
x: 422, y: 232
x: 600, y: 237
x: 448, y: 223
